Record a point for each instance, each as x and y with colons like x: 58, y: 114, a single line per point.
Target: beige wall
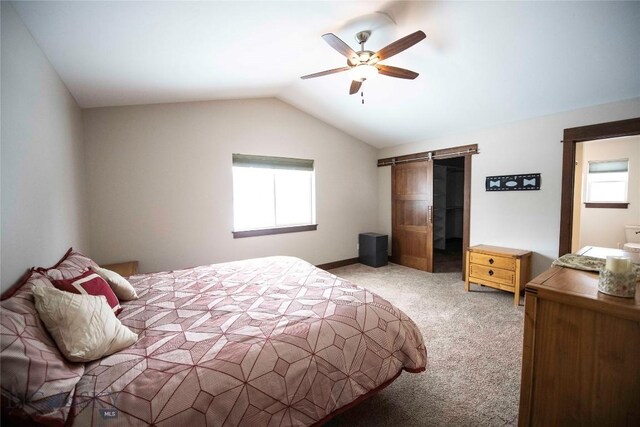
x: 160, y: 182
x: 44, y: 208
x: 605, y: 227
x: 520, y: 219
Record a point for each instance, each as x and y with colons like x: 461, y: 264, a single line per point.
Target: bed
x: 264, y: 342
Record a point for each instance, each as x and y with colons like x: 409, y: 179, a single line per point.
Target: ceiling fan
x: 364, y: 64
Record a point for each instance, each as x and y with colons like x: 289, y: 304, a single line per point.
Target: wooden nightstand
x: 125, y: 269
x: 500, y: 268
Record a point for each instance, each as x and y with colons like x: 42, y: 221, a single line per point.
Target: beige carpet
x: 474, y: 348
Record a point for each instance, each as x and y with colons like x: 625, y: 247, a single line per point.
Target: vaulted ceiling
x: 482, y: 64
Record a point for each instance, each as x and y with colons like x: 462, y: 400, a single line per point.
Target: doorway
x: 448, y: 214
x: 413, y: 209
x: 606, y: 191
x: 572, y: 137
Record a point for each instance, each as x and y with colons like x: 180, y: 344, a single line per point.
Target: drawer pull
x: 491, y: 261
x: 490, y: 272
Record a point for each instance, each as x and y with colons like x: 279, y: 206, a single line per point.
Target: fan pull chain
x: 362, y: 96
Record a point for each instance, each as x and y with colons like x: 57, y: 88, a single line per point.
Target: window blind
x: 609, y: 166
x: 247, y: 160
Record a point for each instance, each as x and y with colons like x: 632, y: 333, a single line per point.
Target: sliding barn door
x: 412, y: 214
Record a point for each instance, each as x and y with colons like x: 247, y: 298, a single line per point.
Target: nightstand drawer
x: 498, y: 275
x: 493, y: 261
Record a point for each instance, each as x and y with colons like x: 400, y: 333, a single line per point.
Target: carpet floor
x: 474, y: 352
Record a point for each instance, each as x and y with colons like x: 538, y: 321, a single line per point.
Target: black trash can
x: 373, y: 249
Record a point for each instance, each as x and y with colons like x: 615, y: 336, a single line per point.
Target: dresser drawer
x: 493, y: 261
x: 493, y: 274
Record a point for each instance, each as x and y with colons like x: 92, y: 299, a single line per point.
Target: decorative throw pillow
x: 84, y: 326
x: 38, y: 383
x: 120, y: 286
x: 89, y: 283
x: 71, y: 264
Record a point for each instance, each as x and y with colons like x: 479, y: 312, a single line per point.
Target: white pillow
x: 120, y: 286
x: 83, y: 326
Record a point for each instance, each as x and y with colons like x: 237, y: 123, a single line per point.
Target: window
x: 607, y: 183
x: 272, y: 195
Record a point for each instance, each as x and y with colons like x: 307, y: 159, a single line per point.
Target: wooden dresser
x: 581, y: 353
x: 497, y: 267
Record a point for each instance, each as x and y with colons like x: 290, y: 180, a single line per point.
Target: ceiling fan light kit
x: 363, y: 72
x: 364, y: 64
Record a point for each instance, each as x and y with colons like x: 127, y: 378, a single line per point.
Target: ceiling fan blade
x: 400, y: 73
x: 339, y: 45
x: 355, y: 87
x: 325, y: 73
x: 400, y: 45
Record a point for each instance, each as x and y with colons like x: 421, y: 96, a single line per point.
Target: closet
x: 448, y: 212
x: 430, y: 205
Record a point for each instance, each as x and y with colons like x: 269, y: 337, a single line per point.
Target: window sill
x: 607, y: 205
x: 274, y: 230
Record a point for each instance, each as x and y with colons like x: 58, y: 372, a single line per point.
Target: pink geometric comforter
x: 263, y: 342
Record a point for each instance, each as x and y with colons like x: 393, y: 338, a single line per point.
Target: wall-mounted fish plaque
x: 530, y: 181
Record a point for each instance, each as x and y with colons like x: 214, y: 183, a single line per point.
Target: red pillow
x: 89, y: 283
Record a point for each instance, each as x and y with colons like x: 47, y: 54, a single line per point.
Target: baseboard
x: 336, y: 264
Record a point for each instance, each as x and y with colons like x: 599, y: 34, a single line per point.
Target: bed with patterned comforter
x: 264, y: 342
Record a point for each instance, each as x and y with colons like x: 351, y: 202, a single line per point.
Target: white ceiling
x: 482, y: 63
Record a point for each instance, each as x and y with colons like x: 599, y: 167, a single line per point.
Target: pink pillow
x: 25, y: 284
x: 71, y: 264
x: 89, y: 283
x: 37, y: 381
